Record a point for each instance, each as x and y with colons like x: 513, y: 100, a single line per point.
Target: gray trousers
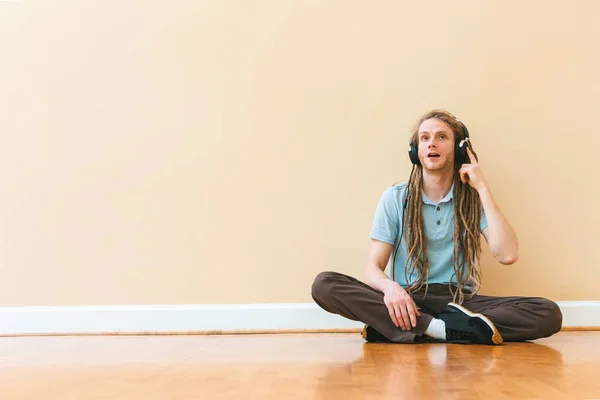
x: 516, y: 318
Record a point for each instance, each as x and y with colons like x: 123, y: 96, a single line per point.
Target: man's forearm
x: 377, y: 279
x: 502, y: 237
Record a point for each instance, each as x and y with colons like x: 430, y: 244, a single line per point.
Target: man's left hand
x: 472, y: 174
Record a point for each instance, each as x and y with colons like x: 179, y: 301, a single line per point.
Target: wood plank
x: 295, y: 366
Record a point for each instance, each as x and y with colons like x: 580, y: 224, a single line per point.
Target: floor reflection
x: 441, y: 371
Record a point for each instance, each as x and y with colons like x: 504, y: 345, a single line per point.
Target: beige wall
x: 228, y: 151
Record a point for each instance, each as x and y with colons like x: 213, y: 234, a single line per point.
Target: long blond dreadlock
x: 467, y: 216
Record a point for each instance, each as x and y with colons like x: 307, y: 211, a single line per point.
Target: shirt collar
x: 449, y: 196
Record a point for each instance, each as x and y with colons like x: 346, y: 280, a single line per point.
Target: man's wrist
x: 390, y: 285
x: 483, y: 190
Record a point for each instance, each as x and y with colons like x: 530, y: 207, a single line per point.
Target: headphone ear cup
x: 460, y: 153
x: 413, y: 154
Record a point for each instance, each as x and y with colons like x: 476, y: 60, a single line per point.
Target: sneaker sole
x: 364, y: 332
x: 496, y: 337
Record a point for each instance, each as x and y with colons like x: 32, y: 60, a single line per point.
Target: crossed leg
x: 516, y: 318
x: 344, y: 295
x: 519, y: 318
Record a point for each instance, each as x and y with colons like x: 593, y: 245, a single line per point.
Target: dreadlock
x: 467, y: 216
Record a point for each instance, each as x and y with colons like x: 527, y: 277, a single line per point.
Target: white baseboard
x: 209, y: 318
x: 585, y: 314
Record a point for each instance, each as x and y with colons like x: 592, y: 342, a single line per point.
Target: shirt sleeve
x: 387, y: 217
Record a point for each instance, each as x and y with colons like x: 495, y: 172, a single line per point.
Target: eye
x: 424, y: 138
x: 442, y: 136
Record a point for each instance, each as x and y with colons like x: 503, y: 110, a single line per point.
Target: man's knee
x: 323, y: 284
x: 551, y: 317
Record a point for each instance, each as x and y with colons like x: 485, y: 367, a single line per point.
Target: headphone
x: 460, y: 149
x: 460, y: 157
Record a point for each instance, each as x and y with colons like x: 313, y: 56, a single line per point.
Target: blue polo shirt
x: 439, y: 231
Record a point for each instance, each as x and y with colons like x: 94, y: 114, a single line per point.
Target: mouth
x: 433, y: 155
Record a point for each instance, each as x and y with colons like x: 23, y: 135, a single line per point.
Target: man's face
x: 436, y: 145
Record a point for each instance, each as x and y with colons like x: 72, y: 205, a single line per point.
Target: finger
x: 400, y: 315
x: 417, y: 311
x: 412, y: 315
x: 464, y: 176
x: 393, y: 315
x: 471, y: 156
x: 405, y: 316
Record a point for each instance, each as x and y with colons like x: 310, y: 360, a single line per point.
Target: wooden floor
x: 300, y: 366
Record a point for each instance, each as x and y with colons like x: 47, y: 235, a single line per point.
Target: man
x: 442, y: 212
